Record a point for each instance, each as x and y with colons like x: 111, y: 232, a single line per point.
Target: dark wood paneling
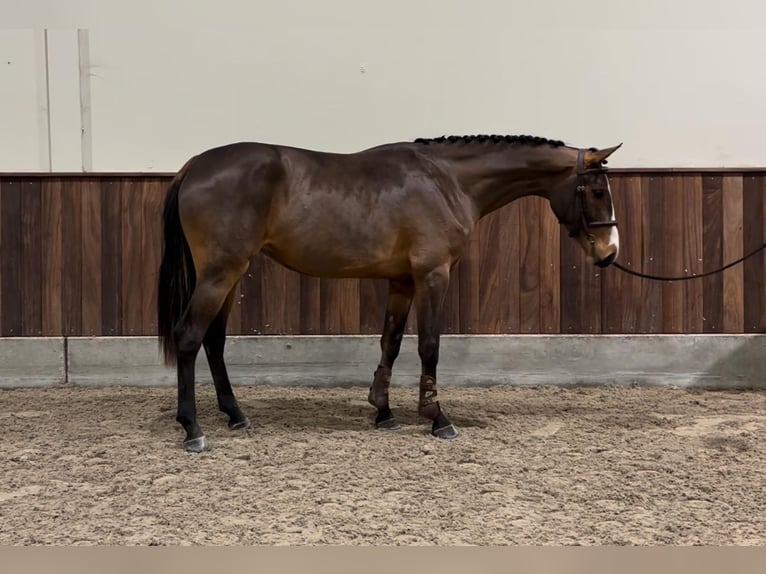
x: 152, y: 197
x: 310, y: 306
x: 671, y: 253
x: 10, y: 259
x: 52, y: 272
x: 111, y: 258
x: 692, y: 252
x: 499, y: 271
x: 468, y: 275
x: 753, y: 192
x: 529, y: 263
x: 372, y: 305
x: 712, y: 249
x: 79, y: 255
x: 71, y: 228
x: 31, y: 258
x: 91, y: 259
x: 550, y: 271
x: 621, y: 293
x: 650, y: 320
x: 252, y: 310
x: 733, y: 286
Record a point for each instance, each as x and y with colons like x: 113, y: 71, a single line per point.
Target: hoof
x: 448, y: 432
x: 198, y: 444
x: 388, y: 424
x: 240, y: 425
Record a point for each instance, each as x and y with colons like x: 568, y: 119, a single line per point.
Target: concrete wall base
x: 707, y: 361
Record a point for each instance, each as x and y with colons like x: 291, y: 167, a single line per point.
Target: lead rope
x: 687, y: 277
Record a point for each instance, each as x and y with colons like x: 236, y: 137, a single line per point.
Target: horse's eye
x: 598, y: 193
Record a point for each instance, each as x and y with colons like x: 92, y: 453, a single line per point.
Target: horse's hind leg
x: 400, y: 293
x: 213, y: 343
x: 209, y: 296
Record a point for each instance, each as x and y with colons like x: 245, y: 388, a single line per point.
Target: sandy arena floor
x: 532, y: 466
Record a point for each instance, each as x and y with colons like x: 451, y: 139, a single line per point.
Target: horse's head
x: 583, y: 204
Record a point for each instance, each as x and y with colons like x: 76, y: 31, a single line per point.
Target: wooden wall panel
x: 753, y: 195
x: 669, y: 234
x: 31, y: 258
x: 499, y: 287
x: 712, y: 249
x: 652, y: 240
x: 152, y: 199
x: 733, y: 287
x: 692, y: 253
x: 91, y: 258
x: 10, y: 260
x: 52, y: 271
x: 529, y: 263
x: 621, y: 294
x: 79, y: 256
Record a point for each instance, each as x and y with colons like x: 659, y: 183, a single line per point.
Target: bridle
x: 582, y: 171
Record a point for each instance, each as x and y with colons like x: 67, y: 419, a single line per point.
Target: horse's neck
x: 495, y: 178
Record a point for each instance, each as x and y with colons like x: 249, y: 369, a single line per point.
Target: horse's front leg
x: 430, y: 292
x: 400, y: 294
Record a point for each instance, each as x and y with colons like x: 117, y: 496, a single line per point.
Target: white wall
x: 682, y: 84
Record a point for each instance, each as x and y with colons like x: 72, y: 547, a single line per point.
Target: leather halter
x: 582, y: 171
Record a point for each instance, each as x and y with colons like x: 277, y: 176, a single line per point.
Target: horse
x: 401, y: 211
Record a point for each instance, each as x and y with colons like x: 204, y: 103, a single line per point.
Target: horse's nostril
x: 608, y: 260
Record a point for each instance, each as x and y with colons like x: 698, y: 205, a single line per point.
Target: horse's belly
x: 339, y: 260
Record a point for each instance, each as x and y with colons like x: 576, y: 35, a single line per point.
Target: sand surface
x: 531, y: 466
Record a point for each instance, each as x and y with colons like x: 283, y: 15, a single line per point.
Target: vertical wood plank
x: 712, y: 249
x: 671, y: 250
x: 468, y: 276
x: 373, y: 295
x: 10, y: 259
x: 111, y: 257
x: 132, y: 267
x: 281, y: 289
x: 234, y: 321
x: 91, y: 258
x: 71, y: 226
x: 753, y: 191
x: 31, y: 253
x: 339, y: 306
x: 580, y: 290
x: 529, y: 264
x: 550, y: 272
x: 152, y: 201
x: 653, y: 241
x: 311, y: 305
x: 693, y: 253
x: 572, y: 259
x: 52, y: 258
x: 499, y: 286
x: 2, y: 182
x: 252, y: 308
x: 621, y: 297
x: 733, y: 279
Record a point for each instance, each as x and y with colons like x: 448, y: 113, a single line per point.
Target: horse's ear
x: 596, y: 158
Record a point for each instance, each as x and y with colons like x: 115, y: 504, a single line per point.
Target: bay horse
x: 400, y: 211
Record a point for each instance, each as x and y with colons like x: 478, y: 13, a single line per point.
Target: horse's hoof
x: 197, y: 445
x: 240, y: 425
x: 388, y: 424
x: 448, y: 432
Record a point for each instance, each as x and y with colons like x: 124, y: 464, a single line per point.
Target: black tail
x: 177, y: 276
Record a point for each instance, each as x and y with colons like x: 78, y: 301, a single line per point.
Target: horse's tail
x: 177, y: 276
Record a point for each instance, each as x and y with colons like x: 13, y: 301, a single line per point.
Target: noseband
x: 580, y: 195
